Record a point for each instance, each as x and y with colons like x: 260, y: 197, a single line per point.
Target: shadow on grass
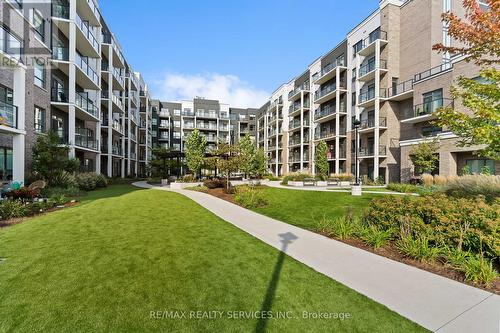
x: 109, y: 192
x: 286, y: 239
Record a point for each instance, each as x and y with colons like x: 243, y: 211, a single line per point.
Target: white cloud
x: 228, y: 89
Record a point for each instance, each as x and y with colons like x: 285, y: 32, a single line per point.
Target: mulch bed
x: 389, y: 251
x: 17, y: 220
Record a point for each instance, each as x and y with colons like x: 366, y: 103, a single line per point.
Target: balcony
x: 296, y: 124
x: 367, y: 97
x: 295, y: 93
x: 296, y: 158
x: 117, y: 102
x: 328, y: 92
x: 88, y: 44
x: 142, y: 93
x: 116, y: 150
x: 90, y: 79
x: 60, y: 53
x: 401, y: 91
x: 60, y: 11
x: 368, y: 44
x: 326, y: 134
x: 206, y: 126
x: 59, y: 95
x: 11, y: 49
x: 83, y: 101
x: 367, y: 71
x: 8, y: 115
x: 432, y: 72
x: 205, y: 114
x: 368, y: 124
x: 424, y: 111
x: 84, y: 138
x: 89, y: 10
x: 369, y: 152
x: 329, y: 71
x: 328, y: 112
x: 119, y: 81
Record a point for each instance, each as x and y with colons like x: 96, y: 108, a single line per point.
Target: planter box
x: 321, y: 183
x: 296, y: 184
x: 345, y: 183
x: 356, y: 190
x: 164, y: 182
x: 180, y: 186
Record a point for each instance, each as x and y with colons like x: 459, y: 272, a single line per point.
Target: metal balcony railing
x: 83, y: 101
x: 371, y: 66
x: 400, y: 88
x: 303, y: 87
x: 328, y: 89
x: 429, y: 107
x: 370, y: 123
x: 59, y: 95
x: 84, y: 137
x: 87, y: 32
x: 60, y: 53
x: 431, y: 72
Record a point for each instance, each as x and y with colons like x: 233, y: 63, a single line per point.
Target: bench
x: 309, y: 182
x: 333, y: 181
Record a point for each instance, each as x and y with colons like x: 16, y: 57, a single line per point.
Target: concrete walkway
x: 434, y: 302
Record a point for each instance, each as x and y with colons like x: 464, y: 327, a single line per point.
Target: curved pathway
x: 434, y: 302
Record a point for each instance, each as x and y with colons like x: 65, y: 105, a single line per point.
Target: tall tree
x: 227, y: 159
x: 247, y: 150
x: 479, y: 35
x: 424, y: 156
x: 321, y: 159
x: 51, y: 159
x: 196, y: 145
x: 161, y: 162
x: 259, y: 163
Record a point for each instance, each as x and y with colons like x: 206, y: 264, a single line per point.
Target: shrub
x: 418, y: 248
x: 199, y: 188
x: 24, y: 193
x: 101, y: 181
x: 479, y: 270
x: 58, y: 199
x: 468, y: 224
x: 402, y: 188
x: 345, y: 177
x: 250, y: 197
x: 86, y: 181
x: 375, y: 237
x: 72, y: 191
x: 187, y: 179
x: 340, y: 227
x: 215, y: 183
x: 11, y: 209
x: 64, y: 179
x: 440, y: 180
x: 427, y: 179
x: 473, y: 185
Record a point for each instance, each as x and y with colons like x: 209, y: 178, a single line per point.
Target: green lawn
x: 106, y: 264
x: 306, y: 208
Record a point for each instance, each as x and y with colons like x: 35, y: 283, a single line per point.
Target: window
x: 154, y: 121
x: 5, y: 163
x: 431, y: 131
x: 39, y: 120
x: 39, y: 24
x: 177, y: 135
x: 353, y: 99
x: 10, y: 44
x: 483, y: 4
x: 477, y: 166
x: 39, y: 71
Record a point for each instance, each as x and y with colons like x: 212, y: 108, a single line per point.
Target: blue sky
x: 237, y: 51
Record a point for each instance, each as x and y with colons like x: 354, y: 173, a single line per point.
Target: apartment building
x: 63, y: 70
x: 216, y: 121
x: 385, y: 76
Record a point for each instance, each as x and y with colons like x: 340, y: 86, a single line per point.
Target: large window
x: 39, y: 119
x: 477, y: 166
x: 39, y: 25
x: 39, y: 76
x: 10, y: 43
x: 356, y: 48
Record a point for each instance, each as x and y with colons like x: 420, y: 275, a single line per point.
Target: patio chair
x: 37, y: 185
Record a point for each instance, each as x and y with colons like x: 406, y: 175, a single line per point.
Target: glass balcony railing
x: 340, y: 62
x: 106, y: 38
x: 371, y: 66
x: 370, y: 123
x: 303, y: 87
x: 328, y: 89
x: 296, y: 124
x: 8, y: 115
x: 86, y: 29
x: 84, y: 137
x: 60, y: 53
x: 205, y: 114
x: 377, y: 34
x: 370, y: 151
x: 60, y: 11
x: 84, y: 102
x: 59, y: 95
x: 85, y: 67
x: 327, y: 111
x: 369, y: 94
x: 117, y: 73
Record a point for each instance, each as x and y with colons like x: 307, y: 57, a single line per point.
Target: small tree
x: 479, y: 36
x: 247, y: 153
x: 51, y: 159
x: 161, y: 161
x: 259, y: 163
x: 227, y: 159
x: 424, y: 156
x: 195, y: 151
x: 321, y: 159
